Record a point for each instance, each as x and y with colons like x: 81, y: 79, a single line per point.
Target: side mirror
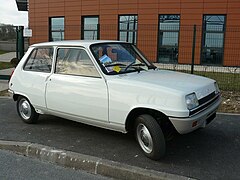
x: 14, y: 62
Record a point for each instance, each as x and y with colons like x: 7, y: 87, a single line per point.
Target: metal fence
x: 208, y: 51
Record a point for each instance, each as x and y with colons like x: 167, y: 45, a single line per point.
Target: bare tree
x: 7, y: 32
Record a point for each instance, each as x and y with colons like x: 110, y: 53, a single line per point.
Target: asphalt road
x: 18, y: 167
x: 210, y: 153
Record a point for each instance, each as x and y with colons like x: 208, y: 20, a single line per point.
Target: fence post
x: 193, y: 48
x: 17, y: 55
x: 19, y: 42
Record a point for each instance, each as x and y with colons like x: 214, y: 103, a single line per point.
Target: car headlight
x: 217, y: 90
x: 191, y: 101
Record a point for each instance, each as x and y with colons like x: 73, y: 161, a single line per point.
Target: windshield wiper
x: 138, y: 68
x: 152, y: 67
x: 115, y: 64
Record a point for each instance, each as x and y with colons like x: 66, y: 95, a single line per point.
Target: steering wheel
x: 128, y: 66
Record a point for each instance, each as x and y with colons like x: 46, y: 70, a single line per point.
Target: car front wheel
x: 150, y: 136
x: 26, y: 111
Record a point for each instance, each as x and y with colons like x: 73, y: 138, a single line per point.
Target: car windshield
x: 118, y: 58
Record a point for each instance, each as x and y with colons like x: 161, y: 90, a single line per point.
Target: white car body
x: 107, y: 100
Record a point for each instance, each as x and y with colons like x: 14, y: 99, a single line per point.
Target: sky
x: 9, y: 14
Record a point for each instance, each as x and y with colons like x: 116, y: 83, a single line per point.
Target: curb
x: 87, y: 163
x: 5, y: 97
x: 230, y: 114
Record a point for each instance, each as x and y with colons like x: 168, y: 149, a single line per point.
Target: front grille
x: 206, y: 98
x: 205, y: 102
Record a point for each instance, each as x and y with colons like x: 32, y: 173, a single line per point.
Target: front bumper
x: 189, y: 124
x: 11, y: 93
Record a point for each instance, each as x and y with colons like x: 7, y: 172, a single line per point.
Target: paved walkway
x: 6, y: 71
x: 7, y: 56
x: 4, y: 83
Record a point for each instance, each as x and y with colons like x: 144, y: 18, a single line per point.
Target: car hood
x: 171, y: 80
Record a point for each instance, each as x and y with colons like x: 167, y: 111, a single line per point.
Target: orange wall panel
x: 128, y: 1
x: 192, y: 5
x: 92, y: 3
x: 69, y: 9
x: 109, y: 2
x: 148, y: 11
x: 73, y: 4
x: 109, y: 13
x: 127, y: 6
x: 218, y: 5
x: 127, y: 11
x: 169, y: 6
x: 109, y: 7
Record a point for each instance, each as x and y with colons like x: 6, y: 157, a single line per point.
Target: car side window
x: 75, y: 61
x: 40, y: 60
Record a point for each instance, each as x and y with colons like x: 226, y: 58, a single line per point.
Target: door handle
x: 48, y: 79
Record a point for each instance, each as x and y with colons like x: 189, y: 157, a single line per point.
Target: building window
x: 90, y: 28
x: 128, y: 28
x: 213, y: 39
x: 168, y: 38
x: 56, y: 29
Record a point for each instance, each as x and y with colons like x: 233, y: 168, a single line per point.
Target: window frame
x: 168, y: 31
x: 83, y: 26
x: 75, y: 47
x: 30, y: 54
x: 203, y: 41
x: 134, y: 31
x: 50, y: 38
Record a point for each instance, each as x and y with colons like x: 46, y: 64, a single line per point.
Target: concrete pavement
x: 4, y: 83
x: 87, y: 163
x: 18, y: 167
x: 7, y: 56
x: 74, y: 159
x: 6, y: 71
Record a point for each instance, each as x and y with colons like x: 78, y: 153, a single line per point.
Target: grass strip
x: 5, y: 65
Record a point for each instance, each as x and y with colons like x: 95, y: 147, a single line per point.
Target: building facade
x: 162, y: 29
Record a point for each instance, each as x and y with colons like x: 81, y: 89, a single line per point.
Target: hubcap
x: 25, y: 109
x: 144, y: 138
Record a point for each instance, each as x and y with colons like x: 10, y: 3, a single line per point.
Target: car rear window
x: 40, y: 60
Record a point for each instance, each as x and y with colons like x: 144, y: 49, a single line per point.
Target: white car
x: 110, y: 84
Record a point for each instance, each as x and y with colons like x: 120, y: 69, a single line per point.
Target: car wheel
x: 150, y: 137
x: 26, y: 111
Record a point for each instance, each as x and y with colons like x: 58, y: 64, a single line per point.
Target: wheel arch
x: 25, y: 109
x: 17, y: 95
x: 159, y: 116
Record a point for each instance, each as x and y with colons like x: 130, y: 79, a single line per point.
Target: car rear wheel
x: 26, y: 111
x: 150, y: 137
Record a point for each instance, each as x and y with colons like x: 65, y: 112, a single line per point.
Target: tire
x: 26, y: 111
x: 150, y: 137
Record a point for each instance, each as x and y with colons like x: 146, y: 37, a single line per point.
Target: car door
x: 35, y: 72
x: 76, y: 88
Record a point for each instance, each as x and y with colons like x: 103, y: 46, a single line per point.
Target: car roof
x: 83, y: 43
